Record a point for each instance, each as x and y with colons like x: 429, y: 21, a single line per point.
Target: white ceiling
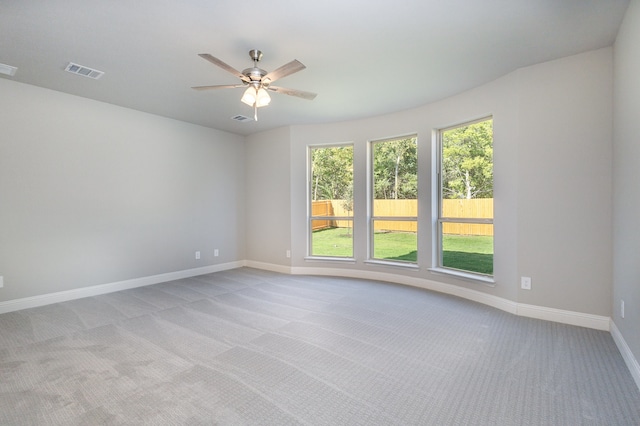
x: 363, y: 58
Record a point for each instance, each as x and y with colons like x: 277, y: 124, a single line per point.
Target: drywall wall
x: 92, y: 193
x: 626, y: 187
x: 552, y: 147
x: 564, y: 178
x: 267, y: 197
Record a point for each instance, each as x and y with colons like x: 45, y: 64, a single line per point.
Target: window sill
x: 329, y: 259
x: 404, y: 265
x: 485, y: 279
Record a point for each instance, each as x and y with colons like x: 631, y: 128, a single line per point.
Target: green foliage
x: 331, y: 173
x: 347, y: 199
x: 395, y: 169
x: 467, y: 161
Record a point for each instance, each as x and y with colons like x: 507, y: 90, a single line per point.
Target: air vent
x: 8, y: 70
x: 83, y: 71
x: 240, y: 118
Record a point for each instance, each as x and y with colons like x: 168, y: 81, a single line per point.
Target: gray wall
x: 564, y: 182
x: 626, y: 180
x: 91, y: 193
x: 268, y: 197
x: 553, y: 169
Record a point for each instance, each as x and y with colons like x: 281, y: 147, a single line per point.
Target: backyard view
x: 465, y: 222
x: 331, y: 193
x: 464, y: 252
x: 395, y: 200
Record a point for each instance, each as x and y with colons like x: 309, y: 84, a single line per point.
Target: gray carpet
x: 250, y: 347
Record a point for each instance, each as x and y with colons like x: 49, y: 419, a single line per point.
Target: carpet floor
x: 251, y: 347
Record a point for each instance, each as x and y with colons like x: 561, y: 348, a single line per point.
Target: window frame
x: 311, y: 217
x: 440, y: 220
x: 371, y: 217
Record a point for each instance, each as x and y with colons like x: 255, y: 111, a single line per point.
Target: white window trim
x: 394, y: 263
x: 470, y: 276
x: 311, y: 218
x: 371, y: 218
x: 439, y: 220
x: 330, y: 259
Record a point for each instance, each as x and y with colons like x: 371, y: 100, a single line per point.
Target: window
x: 394, y: 201
x: 331, y: 198
x: 465, y: 219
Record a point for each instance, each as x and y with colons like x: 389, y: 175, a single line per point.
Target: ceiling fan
x: 258, y: 81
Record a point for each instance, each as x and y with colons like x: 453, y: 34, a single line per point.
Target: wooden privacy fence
x: 474, y: 208
x: 324, y: 208
x: 403, y: 208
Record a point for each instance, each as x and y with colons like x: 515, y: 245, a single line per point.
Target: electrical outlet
x: 216, y: 253
x: 622, y: 308
x: 1, y: 282
x: 197, y: 255
x: 288, y: 254
x: 525, y: 283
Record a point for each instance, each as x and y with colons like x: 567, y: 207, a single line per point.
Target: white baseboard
x: 268, y: 266
x: 627, y: 355
x: 63, y: 296
x: 531, y: 311
x: 581, y: 319
x: 465, y: 293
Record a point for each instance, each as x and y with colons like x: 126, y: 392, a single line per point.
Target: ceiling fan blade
x: 219, y: 86
x: 293, y: 92
x: 224, y: 66
x: 285, y: 70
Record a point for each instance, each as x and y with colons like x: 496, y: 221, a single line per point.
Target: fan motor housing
x: 254, y: 73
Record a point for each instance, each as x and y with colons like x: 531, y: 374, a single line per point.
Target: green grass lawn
x: 332, y: 242
x: 396, y: 246
x: 468, y: 253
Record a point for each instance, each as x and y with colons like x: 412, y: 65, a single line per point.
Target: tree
x: 331, y: 172
x: 395, y: 169
x: 347, y: 205
x: 467, y: 161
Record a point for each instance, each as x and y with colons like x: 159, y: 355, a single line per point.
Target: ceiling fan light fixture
x: 250, y: 96
x: 256, y: 97
x: 263, y: 98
